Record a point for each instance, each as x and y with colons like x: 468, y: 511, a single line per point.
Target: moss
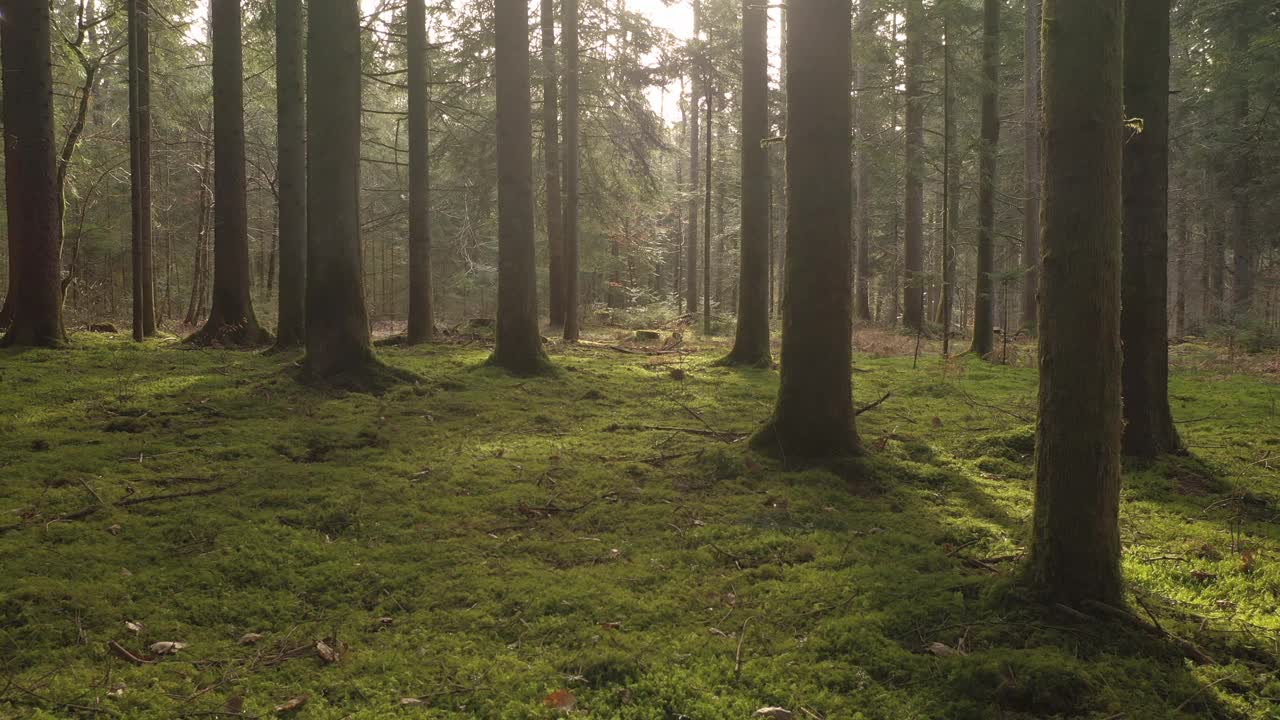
x: 479, y: 540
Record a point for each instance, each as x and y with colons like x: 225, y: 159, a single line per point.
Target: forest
x: 640, y: 359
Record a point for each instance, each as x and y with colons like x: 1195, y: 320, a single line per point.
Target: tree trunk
x: 572, y: 301
x: 196, y: 303
x: 421, y: 318
x: 337, y: 323
x: 31, y: 196
x: 862, y: 169
x: 518, y: 346
x: 144, y: 315
x: 551, y: 159
x: 1074, y: 553
x: 984, y: 308
x: 814, y: 415
x: 706, y: 215
x: 950, y: 196
x: 1241, y: 179
x: 913, y: 203
x: 231, y: 318
x: 291, y: 126
x: 695, y: 170
x: 1144, y: 316
x: 1031, y: 166
x: 751, y: 341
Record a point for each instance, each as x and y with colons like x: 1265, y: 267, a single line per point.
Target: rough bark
x: 1144, y: 317
x: 984, y: 297
x: 421, y: 318
x: 572, y: 302
x: 551, y: 164
x: 231, y: 319
x: 913, y: 201
x: 518, y: 345
x: 1031, y: 165
x: 31, y: 195
x: 751, y: 340
x: 144, y: 315
x: 291, y: 128
x: 814, y: 415
x: 1074, y: 554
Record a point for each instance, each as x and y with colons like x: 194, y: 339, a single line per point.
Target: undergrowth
x: 470, y: 544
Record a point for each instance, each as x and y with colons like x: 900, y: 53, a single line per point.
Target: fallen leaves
x: 561, y: 700
x: 292, y: 704
x: 166, y: 647
x: 250, y: 638
x: 773, y: 713
x: 326, y: 652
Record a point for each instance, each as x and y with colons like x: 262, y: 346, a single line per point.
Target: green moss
x: 479, y: 540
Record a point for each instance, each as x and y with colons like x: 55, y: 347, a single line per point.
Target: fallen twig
x: 874, y: 405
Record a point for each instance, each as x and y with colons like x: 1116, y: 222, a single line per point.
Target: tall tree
x: 985, y: 296
x: 1144, y: 321
x: 337, y: 324
x: 1241, y: 168
x: 1074, y: 553
x: 551, y: 163
x: 31, y: 196
x: 518, y: 346
x: 144, y: 313
x: 913, y: 202
x: 695, y: 149
x: 231, y: 318
x: 751, y: 341
x: 572, y: 303
x: 863, y: 128
x: 706, y: 209
x: 421, y: 321
x: 1031, y: 164
x: 291, y: 163
x: 814, y: 415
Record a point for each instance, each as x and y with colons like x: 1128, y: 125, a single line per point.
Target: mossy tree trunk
x: 231, y: 318
x: 1074, y: 553
x: 569, y: 36
x: 1148, y: 428
x: 551, y: 160
x: 518, y: 346
x: 913, y: 202
x: 421, y: 318
x: 751, y: 341
x: 814, y: 415
x: 337, y: 322
x: 31, y: 194
x: 984, y: 297
x: 291, y: 129
x: 1031, y: 165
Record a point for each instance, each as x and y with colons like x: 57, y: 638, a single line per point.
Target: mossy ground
x: 479, y: 541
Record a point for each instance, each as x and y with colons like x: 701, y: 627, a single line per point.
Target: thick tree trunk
x: 695, y: 170
x: 337, y: 323
x: 231, y: 318
x: 913, y: 203
x: 1074, y: 553
x: 31, y: 195
x: 421, y: 317
x: 518, y: 346
x: 814, y: 415
x: 1144, y: 317
x: 572, y: 301
x: 984, y: 308
x: 291, y: 127
x: 144, y: 313
x: 1031, y: 166
x: 751, y: 341
x: 551, y: 159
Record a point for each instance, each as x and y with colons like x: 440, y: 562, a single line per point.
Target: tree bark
x: 1031, y: 166
x: 863, y: 130
x: 695, y: 170
x: 706, y: 214
x: 291, y: 128
x: 551, y: 160
x: 518, y: 346
x: 1144, y: 317
x: 572, y: 301
x: 421, y: 318
x: 814, y: 415
x: 31, y: 195
x: 337, y: 323
x: 751, y: 341
x: 984, y: 308
x: 139, y: 40
x: 1074, y: 554
x: 231, y: 318
x: 1241, y: 178
x: 913, y: 202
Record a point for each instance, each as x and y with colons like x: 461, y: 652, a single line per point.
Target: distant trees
x: 518, y: 346
x: 291, y: 162
x: 1031, y: 164
x: 913, y: 204
x: 751, y: 342
x: 693, y: 130
x: 231, y: 319
x: 814, y: 416
x: 31, y: 196
x: 551, y: 163
x: 984, y: 296
x: 421, y: 317
x: 1074, y: 553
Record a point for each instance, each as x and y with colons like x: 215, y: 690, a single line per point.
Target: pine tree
x: 984, y: 307
x: 421, y: 320
x: 291, y: 131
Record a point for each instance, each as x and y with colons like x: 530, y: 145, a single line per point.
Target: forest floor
x: 601, y: 543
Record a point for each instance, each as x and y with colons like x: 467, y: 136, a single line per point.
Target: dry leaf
x: 942, y: 649
x: 411, y: 701
x: 114, y: 529
x: 292, y: 704
x: 326, y: 653
x: 250, y: 638
x: 166, y: 648
x: 562, y: 700
x: 117, y: 691
x: 611, y: 625
x: 774, y: 713
x: 386, y: 620
x: 134, y: 627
